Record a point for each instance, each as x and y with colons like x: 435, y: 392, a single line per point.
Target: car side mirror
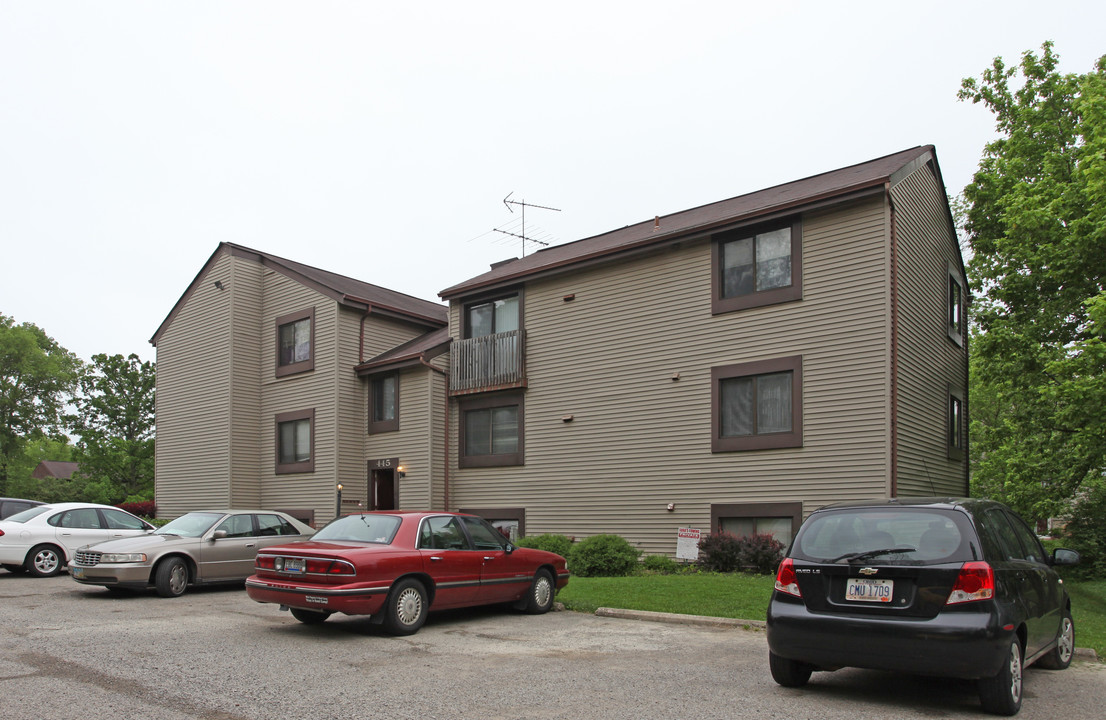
x: 510, y: 548
x: 1063, y: 556
x: 218, y: 534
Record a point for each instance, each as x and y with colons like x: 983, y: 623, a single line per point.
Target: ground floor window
x: 295, y: 442
x: 780, y: 520
x: 511, y: 522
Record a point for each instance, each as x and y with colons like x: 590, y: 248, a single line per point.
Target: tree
x: 1035, y: 221
x: 115, y: 421
x: 37, y: 378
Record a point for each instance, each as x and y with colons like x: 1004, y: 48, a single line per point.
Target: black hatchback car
x: 931, y: 586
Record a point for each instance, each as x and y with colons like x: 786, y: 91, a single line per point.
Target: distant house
x: 59, y: 469
x: 732, y: 366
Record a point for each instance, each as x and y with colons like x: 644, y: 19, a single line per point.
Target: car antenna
x: 932, y: 485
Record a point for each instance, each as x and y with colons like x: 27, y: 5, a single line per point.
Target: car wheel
x: 1002, y: 694
x: 43, y: 561
x: 171, y: 579
x: 789, y: 673
x: 406, y: 610
x: 14, y: 568
x: 540, y: 596
x: 1060, y: 656
x: 309, y: 617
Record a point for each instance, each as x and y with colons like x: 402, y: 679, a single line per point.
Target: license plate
x: 78, y: 572
x: 293, y: 565
x: 868, y: 590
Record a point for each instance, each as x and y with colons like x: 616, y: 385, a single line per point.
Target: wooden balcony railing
x: 491, y: 361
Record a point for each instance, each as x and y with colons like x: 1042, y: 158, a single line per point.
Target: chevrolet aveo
x: 398, y: 566
x: 943, y: 587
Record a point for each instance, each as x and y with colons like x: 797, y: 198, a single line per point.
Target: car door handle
x: 436, y: 558
x: 488, y: 558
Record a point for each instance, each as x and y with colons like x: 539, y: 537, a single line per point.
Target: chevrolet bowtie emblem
x: 868, y: 571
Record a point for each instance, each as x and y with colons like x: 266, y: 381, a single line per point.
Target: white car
x: 43, y: 539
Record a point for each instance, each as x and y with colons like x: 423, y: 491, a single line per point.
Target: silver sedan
x: 203, y: 547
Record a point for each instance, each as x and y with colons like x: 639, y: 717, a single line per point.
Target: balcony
x: 491, y: 362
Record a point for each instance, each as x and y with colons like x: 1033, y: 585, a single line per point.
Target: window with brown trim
x: 384, y: 403
x: 955, y: 316
x: 491, y: 431
x: 757, y: 405
x: 510, y: 522
x: 295, y: 442
x: 295, y: 342
x: 757, y: 266
x: 496, y: 315
x: 780, y: 520
x: 955, y: 425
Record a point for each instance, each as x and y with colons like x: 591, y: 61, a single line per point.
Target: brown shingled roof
x: 781, y: 198
x: 414, y: 352
x: 344, y: 290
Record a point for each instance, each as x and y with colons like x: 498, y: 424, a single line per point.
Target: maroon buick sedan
x: 398, y: 566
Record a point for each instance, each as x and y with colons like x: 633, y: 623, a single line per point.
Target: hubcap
x: 1066, y: 642
x: 178, y: 579
x: 542, y: 591
x: 46, y: 561
x: 1015, y: 672
x: 409, y: 606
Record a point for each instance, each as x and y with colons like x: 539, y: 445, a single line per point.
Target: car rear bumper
x: 952, y: 644
x: 351, y: 600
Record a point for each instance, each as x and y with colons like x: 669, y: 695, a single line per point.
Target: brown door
x: 382, y: 490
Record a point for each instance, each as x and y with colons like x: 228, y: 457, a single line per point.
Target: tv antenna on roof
x: 523, y: 204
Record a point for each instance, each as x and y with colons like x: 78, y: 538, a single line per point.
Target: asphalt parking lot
x: 69, y: 651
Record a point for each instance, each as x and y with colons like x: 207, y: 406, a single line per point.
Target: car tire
x: 1060, y: 656
x: 789, y: 673
x: 1002, y: 694
x: 44, y: 561
x: 406, y: 608
x: 171, y: 578
x: 539, y: 598
x: 309, y: 617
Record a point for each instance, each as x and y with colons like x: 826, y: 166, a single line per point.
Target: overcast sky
x: 378, y: 140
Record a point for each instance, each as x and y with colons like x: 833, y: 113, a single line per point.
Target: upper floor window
x: 295, y: 342
x: 295, y: 442
x: 491, y: 430
x: 955, y: 316
x: 384, y: 403
x: 492, y: 316
x: 757, y: 266
x: 757, y: 405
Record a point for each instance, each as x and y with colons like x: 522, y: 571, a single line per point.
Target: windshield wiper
x: 872, y: 553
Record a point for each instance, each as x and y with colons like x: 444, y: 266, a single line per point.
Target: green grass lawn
x: 745, y: 597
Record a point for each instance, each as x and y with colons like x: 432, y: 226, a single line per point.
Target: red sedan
x: 397, y: 566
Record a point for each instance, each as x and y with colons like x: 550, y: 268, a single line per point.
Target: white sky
x: 378, y: 140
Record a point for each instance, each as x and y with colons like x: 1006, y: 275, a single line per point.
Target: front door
x: 382, y: 489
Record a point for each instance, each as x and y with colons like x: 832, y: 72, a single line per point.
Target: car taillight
x: 329, y: 567
x: 976, y: 581
x: 265, y: 562
x: 785, y: 578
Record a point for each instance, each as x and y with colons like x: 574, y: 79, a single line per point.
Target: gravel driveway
x: 68, y: 651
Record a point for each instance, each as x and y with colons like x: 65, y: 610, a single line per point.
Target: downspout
x: 361, y: 335
x: 894, y: 346
x: 445, y: 480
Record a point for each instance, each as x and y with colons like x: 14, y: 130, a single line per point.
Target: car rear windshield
x: 22, y: 517
x: 904, y: 536
x: 361, y: 528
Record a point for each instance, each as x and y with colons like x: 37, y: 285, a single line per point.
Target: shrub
x: 145, y: 508
x: 725, y: 552
x: 560, y: 544
x: 603, y: 556
x: 660, y: 565
x: 1086, y: 533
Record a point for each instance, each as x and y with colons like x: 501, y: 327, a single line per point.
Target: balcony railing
x: 487, y: 362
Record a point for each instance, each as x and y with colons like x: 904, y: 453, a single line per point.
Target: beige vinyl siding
x: 928, y: 360
x: 350, y: 394
x: 421, y: 399
x: 193, y: 403
x: 247, y: 343
x: 304, y: 391
x: 640, y: 440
